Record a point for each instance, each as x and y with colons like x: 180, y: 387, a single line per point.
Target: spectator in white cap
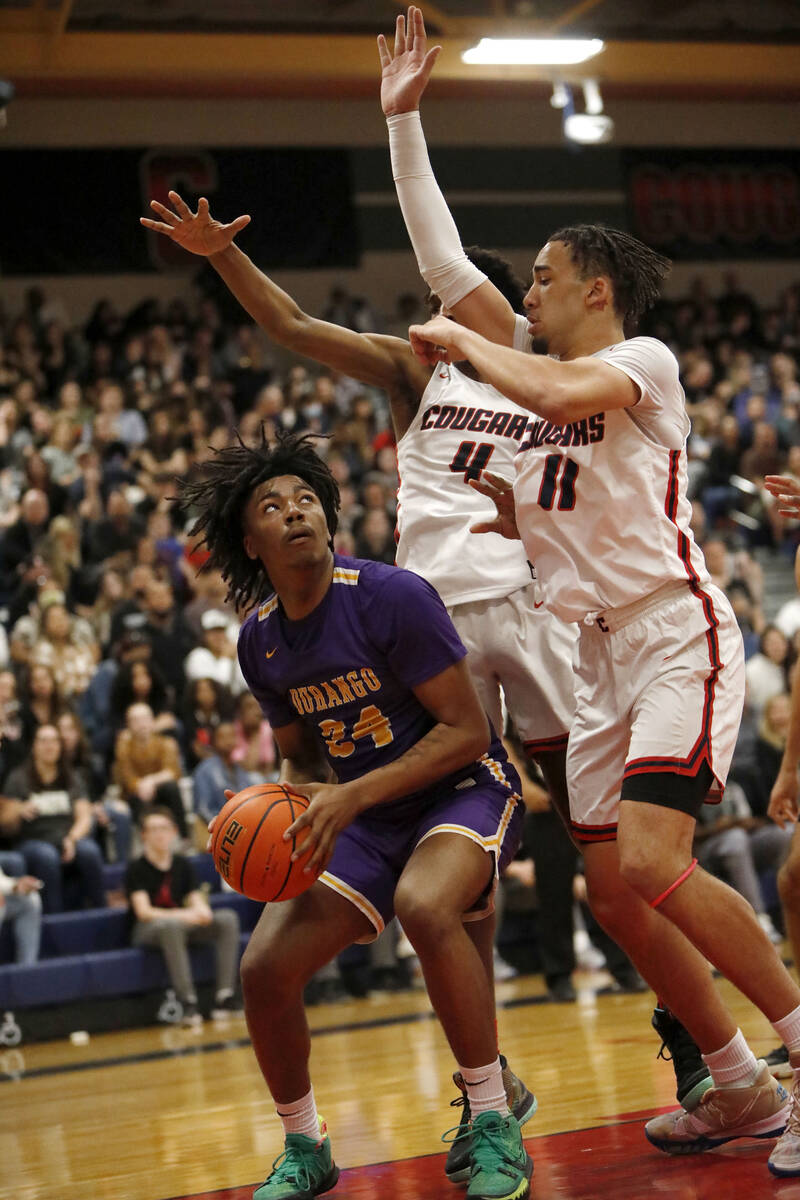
x: 216, y: 658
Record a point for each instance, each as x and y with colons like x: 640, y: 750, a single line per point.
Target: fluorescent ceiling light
x: 544, y: 52
x: 588, y: 129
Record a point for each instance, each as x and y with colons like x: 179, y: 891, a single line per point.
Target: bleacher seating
x: 87, y: 955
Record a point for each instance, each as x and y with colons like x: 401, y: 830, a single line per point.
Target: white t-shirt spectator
x: 764, y: 679
x: 218, y: 658
x: 788, y: 618
x: 202, y: 664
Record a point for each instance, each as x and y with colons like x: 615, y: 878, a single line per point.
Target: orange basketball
x: 248, y: 847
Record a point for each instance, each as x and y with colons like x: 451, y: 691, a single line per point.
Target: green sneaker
x: 305, y: 1169
x: 521, y: 1102
x: 501, y: 1169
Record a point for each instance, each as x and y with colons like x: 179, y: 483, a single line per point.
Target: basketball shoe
x: 722, y: 1114
x: 192, y: 1018
x: 227, y: 1005
x: 692, y: 1076
x: 521, y: 1103
x: 785, y: 1157
x: 501, y: 1169
x: 305, y: 1169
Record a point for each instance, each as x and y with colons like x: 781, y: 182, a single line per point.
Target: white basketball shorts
x: 659, y: 688
x: 526, y: 651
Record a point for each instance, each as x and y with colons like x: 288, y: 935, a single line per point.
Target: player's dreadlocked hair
x: 499, y: 272
x: 217, y: 491
x: 634, y: 269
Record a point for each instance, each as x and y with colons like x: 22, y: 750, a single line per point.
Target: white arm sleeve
x: 441, y: 259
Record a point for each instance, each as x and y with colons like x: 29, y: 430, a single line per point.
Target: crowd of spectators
x: 120, y: 690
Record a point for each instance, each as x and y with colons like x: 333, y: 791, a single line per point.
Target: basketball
x: 248, y: 847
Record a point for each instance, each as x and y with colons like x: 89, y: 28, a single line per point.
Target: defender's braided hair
x: 216, y: 493
x: 634, y: 269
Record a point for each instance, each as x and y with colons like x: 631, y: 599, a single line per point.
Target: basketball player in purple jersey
x: 361, y: 673
x: 448, y: 426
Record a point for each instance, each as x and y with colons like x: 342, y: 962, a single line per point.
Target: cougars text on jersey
x: 475, y: 420
x: 577, y: 433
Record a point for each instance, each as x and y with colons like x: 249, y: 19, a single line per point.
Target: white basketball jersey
x: 601, y: 503
x: 461, y: 428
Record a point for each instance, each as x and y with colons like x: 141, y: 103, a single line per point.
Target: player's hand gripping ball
x: 248, y: 847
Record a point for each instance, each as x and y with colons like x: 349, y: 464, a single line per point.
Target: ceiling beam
x: 294, y: 64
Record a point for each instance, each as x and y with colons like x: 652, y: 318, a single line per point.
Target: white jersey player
x: 603, y: 500
x: 461, y: 428
x: 622, y: 543
x: 634, y: 464
x: 659, y: 663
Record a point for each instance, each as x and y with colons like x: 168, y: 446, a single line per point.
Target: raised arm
x: 463, y: 289
x: 374, y: 359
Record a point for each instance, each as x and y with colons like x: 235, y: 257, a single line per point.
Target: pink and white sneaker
x: 758, y: 1111
x: 785, y: 1158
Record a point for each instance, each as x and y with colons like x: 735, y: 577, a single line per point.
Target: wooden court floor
x: 156, y: 1114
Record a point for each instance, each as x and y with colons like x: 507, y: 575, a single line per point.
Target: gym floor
x: 162, y: 1113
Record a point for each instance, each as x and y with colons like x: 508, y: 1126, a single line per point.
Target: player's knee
x: 609, y: 907
x: 423, y: 916
x: 266, y: 970
x: 647, y: 870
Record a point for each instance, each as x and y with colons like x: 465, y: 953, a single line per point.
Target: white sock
x: 485, y: 1089
x: 788, y: 1030
x: 734, y: 1065
x: 300, y: 1116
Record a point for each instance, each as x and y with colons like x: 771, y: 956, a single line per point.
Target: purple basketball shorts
x: 370, y: 854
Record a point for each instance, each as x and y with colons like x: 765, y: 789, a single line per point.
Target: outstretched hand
x: 197, y: 232
x: 786, y: 491
x: 405, y: 75
x: 501, y: 492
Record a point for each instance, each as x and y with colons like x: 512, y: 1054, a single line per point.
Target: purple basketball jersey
x: 348, y: 669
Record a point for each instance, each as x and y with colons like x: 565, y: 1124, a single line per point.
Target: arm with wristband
x: 464, y: 290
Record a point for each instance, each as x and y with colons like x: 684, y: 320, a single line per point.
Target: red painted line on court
x: 609, y: 1162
